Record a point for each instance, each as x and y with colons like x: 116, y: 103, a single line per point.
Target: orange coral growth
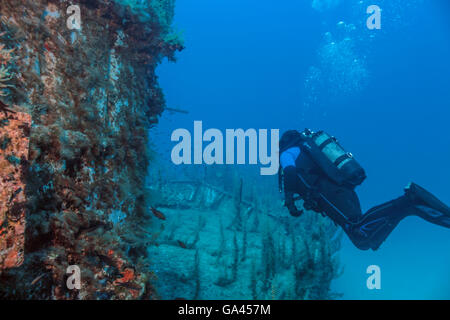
x: 128, y: 275
x: 14, y: 142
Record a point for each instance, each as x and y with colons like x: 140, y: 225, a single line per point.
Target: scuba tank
x: 328, y: 154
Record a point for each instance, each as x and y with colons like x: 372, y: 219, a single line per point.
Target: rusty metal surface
x: 14, y: 144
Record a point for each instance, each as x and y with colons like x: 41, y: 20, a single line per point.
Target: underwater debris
x: 158, y: 213
x: 174, y: 110
x: 272, y: 255
x: 182, y: 244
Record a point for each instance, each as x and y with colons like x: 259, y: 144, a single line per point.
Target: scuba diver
x: 316, y: 167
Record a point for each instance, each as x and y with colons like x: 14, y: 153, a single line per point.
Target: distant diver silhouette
x: 316, y: 167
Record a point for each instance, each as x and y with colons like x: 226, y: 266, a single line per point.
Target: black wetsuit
x: 341, y: 204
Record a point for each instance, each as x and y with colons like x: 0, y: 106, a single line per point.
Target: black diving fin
x: 423, y: 197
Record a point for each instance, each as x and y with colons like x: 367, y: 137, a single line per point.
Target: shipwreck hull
x: 88, y: 97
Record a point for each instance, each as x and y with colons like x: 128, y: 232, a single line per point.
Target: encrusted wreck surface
x: 14, y: 141
x: 91, y: 94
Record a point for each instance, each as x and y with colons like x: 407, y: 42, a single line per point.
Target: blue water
x: 246, y: 63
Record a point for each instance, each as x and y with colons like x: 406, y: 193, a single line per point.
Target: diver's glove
x: 294, y: 211
x: 311, y: 199
x: 311, y: 204
x: 290, y: 204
